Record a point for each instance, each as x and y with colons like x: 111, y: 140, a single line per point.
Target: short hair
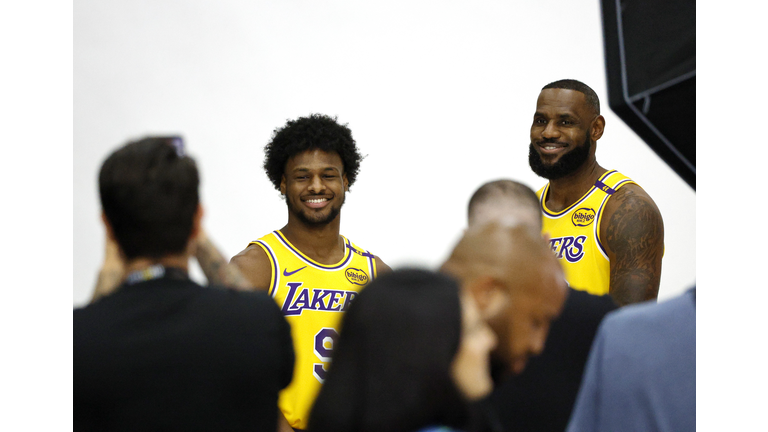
x: 317, y: 131
x: 391, y: 368
x: 571, y: 84
x: 149, y: 195
x: 509, y: 190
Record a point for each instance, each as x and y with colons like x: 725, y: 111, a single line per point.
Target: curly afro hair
x: 317, y: 131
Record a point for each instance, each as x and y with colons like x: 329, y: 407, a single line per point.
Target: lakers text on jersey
x: 575, y: 234
x: 313, y: 297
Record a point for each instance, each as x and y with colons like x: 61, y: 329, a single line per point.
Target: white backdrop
x: 439, y: 96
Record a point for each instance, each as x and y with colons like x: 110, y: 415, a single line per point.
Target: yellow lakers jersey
x: 313, y: 297
x: 575, y: 234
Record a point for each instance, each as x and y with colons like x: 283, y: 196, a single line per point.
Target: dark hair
x: 149, y: 194
x: 391, y: 368
x: 571, y: 84
x: 509, y: 188
x: 317, y: 131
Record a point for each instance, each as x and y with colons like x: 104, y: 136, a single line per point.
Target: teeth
x: 318, y: 200
x: 549, y: 147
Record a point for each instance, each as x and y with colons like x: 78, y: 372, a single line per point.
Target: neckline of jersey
x: 570, y: 207
x: 299, y: 254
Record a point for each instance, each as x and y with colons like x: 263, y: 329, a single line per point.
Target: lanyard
x: 156, y: 271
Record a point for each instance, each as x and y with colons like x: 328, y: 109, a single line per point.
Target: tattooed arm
x: 381, y: 268
x: 632, y: 232
x: 216, y: 269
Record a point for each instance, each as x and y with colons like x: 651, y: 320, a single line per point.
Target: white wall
x: 439, y: 95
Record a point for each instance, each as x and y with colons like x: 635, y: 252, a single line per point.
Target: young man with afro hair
x: 310, y: 269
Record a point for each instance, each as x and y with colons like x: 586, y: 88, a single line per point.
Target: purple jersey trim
x: 366, y: 254
x: 275, y: 267
x: 363, y: 253
x: 600, y: 214
x: 372, y: 266
x: 344, y: 262
x: 603, y: 187
x: 570, y: 207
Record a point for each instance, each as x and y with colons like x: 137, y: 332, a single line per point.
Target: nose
x: 316, y: 185
x: 550, y: 131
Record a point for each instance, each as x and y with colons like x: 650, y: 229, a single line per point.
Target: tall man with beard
x: 605, y: 229
x: 311, y: 271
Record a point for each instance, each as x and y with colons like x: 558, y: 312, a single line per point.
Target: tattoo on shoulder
x: 634, y: 235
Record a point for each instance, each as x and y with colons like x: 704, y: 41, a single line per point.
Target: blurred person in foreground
x: 641, y: 373
x: 155, y: 350
x: 542, y: 396
x: 518, y: 286
x: 412, y: 356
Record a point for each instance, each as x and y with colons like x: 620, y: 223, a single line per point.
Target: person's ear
x: 598, y: 127
x: 490, y: 295
x: 282, y: 185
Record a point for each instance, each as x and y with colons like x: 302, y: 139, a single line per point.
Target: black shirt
x: 542, y: 396
x: 168, y: 354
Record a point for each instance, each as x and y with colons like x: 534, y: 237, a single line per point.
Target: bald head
x: 517, y: 283
x: 505, y: 201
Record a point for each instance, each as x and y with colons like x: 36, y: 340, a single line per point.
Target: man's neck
x: 322, y: 243
x: 178, y: 261
x: 565, y: 191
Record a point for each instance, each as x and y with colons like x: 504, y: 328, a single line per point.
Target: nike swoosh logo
x: 287, y: 273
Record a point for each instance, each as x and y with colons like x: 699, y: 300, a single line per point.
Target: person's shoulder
x: 100, y: 307
x: 381, y: 266
x: 255, y: 265
x: 651, y: 317
x: 627, y: 187
x: 585, y: 305
x: 82, y: 313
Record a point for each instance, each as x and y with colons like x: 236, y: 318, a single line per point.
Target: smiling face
x: 314, y: 184
x: 563, y: 132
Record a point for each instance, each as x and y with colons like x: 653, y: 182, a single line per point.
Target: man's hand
x: 112, y: 271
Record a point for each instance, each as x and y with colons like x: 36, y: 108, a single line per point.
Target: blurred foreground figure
x: 542, y: 396
x: 155, y: 350
x: 412, y: 355
x: 641, y: 374
x: 517, y: 283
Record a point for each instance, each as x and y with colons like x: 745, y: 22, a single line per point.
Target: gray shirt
x: 641, y: 372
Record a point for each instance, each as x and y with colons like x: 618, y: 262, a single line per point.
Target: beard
x: 567, y: 164
x: 315, y: 219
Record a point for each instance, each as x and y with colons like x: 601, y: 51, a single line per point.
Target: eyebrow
x: 561, y: 116
x: 304, y: 169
